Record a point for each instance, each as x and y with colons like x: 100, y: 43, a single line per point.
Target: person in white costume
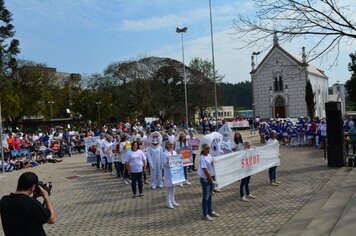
x: 226, y: 132
x: 155, y: 159
x: 170, y: 189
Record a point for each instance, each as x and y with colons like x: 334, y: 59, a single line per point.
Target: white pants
x: 170, y: 196
x: 156, y: 176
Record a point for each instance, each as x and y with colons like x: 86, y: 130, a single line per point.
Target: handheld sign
x: 176, y: 169
x: 186, y: 153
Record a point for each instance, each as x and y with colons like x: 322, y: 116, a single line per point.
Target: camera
x: 46, y: 186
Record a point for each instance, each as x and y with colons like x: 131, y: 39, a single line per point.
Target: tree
x: 9, y: 48
x: 309, y: 99
x: 351, y: 83
x: 202, y: 87
x: 328, y: 20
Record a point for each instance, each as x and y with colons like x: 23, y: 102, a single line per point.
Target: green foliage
x: 9, y: 48
x: 351, y: 83
x: 237, y: 95
x: 309, y: 99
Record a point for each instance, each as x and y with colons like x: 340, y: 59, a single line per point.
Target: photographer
x: 23, y: 215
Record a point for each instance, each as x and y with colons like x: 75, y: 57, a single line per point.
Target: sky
x: 85, y: 36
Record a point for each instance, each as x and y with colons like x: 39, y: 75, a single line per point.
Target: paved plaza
x: 92, y: 202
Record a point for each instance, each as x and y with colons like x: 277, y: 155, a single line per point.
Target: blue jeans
x: 244, y: 184
x: 272, y: 174
x: 207, y: 196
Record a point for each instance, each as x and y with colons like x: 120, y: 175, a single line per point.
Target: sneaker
x: 125, y: 181
x: 153, y: 187
x: 208, y: 218
x: 274, y: 184
x: 170, y: 206
x: 217, y: 191
x: 251, y: 196
x: 214, y: 214
x: 129, y: 180
x: 160, y: 186
x: 175, y: 204
x: 141, y: 195
x: 244, y: 199
x: 180, y: 184
x: 187, y: 182
x: 146, y: 182
x: 277, y: 182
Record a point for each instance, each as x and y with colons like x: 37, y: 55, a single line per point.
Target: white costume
x: 214, y: 140
x: 155, y: 159
x: 170, y: 200
x: 226, y: 132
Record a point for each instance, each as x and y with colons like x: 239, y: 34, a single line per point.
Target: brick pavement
x: 99, y: 204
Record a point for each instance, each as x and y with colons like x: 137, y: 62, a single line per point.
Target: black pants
x: 136, y: 177
x: 192, y: 167
x: 98, y: 160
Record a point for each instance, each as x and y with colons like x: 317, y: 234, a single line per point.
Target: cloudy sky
x: 84, y: 36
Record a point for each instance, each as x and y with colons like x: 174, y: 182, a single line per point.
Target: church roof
x: 311, y: 68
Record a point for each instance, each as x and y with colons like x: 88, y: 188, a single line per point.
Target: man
x: 22, y: 214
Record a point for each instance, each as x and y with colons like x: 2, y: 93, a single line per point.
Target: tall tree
x: 351, y: 83
x: 330, y: 22
x: 309, y: 99
x: 9, y: 48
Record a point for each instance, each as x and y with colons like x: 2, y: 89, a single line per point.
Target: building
x: 224, y: 112
x: 337, y: 93
x: 279, y: 82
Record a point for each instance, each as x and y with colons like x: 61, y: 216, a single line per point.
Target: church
x: 279, y: 82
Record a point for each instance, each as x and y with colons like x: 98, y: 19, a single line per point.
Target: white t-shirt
x: 136, y: 160
x: 272, y: 141
x: 206, y: 162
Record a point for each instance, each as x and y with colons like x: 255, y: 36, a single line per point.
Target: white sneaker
x: 180, y: 184
x: 208, y: 218
x: 251, y: 196
x: 125, y: 181
x: 244, y: 199
x: 175, y: 204
x: 153, y: 187
x: 170, y: 206
x: 187, y: 182
x: 160, y: 186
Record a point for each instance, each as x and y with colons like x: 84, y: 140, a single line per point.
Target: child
x: 245, y: 182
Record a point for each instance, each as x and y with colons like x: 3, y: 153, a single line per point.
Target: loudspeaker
x: 335, y: 134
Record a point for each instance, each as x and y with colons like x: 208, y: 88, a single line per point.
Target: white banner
x: 239, y: 124
x: 234, y: 166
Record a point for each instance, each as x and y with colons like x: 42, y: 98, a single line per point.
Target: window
x: 278, y: 84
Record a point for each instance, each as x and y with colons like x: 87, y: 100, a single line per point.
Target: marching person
x: 206, y: 172
x: 194, y: 153
x: 136, y: 164
x: 244, y: 184
x: 237, y: 145
x: 170, y: 189
x: 181, y: 143
x: 272, y: 171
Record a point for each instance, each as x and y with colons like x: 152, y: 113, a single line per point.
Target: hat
x: 204, y: 145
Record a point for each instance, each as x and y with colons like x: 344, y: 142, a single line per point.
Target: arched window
x: 278, y: 84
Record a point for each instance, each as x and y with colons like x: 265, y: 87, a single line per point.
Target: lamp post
x: 50, y: 106
x: 98, y: 103
x: 181, y: 31
x: 2, y: 149
x: 213, y: 61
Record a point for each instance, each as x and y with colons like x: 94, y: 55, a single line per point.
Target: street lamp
x: 213, y: 60
x: 98, y: 103
x: 2, y: 149
x: 50, y: 105
x: 181, y: 31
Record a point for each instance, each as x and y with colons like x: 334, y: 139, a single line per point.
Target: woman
x: 168, y: 153
x: 136, y: 164
x: 206, y: 172
x: 244, y: 184
x: 182, y: 142
x: 238, y: 142
x: 125, y: 147
x: 194, y: 154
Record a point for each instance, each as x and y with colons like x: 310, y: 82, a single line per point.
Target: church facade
x: 279, y: 82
